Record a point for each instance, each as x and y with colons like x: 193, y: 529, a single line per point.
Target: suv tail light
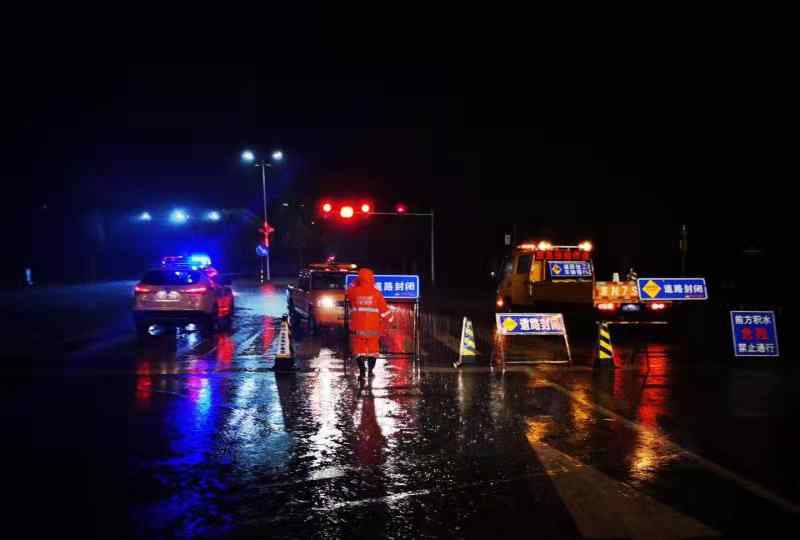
x: 657, y: 306
x: 196, y: 290
x: 142, y: 289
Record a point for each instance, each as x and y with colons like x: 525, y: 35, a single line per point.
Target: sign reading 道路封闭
x: 533, y: 324
x: 392, y: 286
x: 674, y: 289
x: 754, y: 333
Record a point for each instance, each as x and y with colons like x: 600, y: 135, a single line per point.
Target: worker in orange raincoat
x: 368, y: 310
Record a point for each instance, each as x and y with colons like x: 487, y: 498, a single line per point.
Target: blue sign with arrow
x: 672, y: 289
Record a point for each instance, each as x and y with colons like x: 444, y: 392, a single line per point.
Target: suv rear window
x: 172, y: 277
x: 327, y: 280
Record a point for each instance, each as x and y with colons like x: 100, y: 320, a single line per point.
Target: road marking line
x: 249, y: 341
x: 603, y: 507
x: 721, y: 471
x: 415, y: 493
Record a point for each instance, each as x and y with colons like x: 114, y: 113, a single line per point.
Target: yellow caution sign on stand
x: 467, y: 350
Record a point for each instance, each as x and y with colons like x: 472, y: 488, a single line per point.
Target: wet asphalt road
x: 200, y: 437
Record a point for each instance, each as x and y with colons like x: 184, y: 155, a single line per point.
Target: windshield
x: 332, y: 280
x: 172, y: 277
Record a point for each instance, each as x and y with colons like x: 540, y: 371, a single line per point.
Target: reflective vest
x: 368, y: 309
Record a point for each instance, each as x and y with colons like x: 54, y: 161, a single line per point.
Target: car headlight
x: 326, y: 302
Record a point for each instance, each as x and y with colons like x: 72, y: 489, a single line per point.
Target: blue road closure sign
x: 393, y: 286
x: 656, y: 289
x: 754, y: 333
x: 569, y: 269
x: 530, y: 324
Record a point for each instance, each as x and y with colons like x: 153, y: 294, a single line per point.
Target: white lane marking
x: 606, y: 508
x: 719, y: 470
x: 249, y: 341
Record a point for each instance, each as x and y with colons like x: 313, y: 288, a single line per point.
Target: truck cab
x: 539, y: 275
x: 318, y: 296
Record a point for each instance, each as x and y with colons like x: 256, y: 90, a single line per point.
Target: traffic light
x: 345, y: 210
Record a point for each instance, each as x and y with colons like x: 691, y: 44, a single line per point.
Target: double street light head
x: 248, y: 156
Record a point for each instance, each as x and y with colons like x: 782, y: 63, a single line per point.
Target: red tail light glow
x: 346, y: 212
x: 195, y: 290
x: 327, y: 207
x: 141, y: 289
x: 607, y: 306
x: 366, y: 208
x: 657, y: 306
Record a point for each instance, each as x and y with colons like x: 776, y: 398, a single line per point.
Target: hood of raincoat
x: 366, y: 277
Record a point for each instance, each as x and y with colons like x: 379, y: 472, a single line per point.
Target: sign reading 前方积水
x: 392, y: 286
x: 568, y: 269
x: 754, y: 333
x: 655, y: 289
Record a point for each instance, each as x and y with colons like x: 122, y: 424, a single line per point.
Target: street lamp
x: 249, y: 157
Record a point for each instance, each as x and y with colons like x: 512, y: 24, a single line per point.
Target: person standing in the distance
x: 368, y: 309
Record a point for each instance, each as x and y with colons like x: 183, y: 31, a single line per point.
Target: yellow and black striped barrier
x: 284, y: 356
x: 605, y: 352
x: 467, y: 350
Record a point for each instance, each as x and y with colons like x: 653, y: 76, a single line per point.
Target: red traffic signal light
x: 346, y: 212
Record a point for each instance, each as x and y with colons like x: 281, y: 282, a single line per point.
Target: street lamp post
x: 249, y: 157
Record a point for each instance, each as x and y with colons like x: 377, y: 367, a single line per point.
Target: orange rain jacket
x: 368, y: 309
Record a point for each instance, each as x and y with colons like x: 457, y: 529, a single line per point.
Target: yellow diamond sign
x: 509, y: 324
x: 651, y: 288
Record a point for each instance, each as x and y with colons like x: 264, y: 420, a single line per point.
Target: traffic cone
x: 467, y: 350
x: 605, y: 352
x: 284, y: 357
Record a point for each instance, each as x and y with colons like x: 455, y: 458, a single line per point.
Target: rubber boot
x: 371, y: 361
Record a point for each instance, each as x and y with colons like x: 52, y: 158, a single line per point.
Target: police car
x: 183, y: 294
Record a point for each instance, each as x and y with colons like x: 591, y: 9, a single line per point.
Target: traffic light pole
x: 266, y: 221
x: 433, y: 245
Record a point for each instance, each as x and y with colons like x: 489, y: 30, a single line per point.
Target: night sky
x: 622, y: 154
